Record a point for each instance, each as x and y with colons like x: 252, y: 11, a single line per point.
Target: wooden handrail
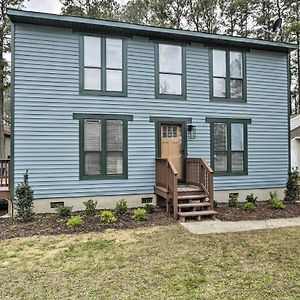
x: 4, y: 172
x: 166, y: 177
x: 199, y: 173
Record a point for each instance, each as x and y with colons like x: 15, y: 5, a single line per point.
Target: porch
x: 193, y: 198
x: 4, y: 179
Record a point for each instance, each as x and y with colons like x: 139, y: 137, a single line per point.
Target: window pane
x: 92, y: 135
x: 170, y: 84
x: 219, y: 63
x: 114, y: 163
x: 237, y: 160
x: 220, y: 161
x: 236, y: 88
x: 92, y: 79
x: 92, y: 163
x: 219, y: 87
x: 170, y: 58
x: 114, y: 53
x: 114, y: 81
x: 237, y: 137
x: 236, y: 65
x: 92, y: 51
x: 114, y: 132
x: 220, y: 137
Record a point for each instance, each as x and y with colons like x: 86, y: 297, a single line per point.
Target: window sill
x: 171, y: 97
x: 220, y: 174
x: 102, y: 177
x: 228, y: 100
x: 99, y: 93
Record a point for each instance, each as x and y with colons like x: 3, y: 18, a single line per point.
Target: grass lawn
x: 152, y: 263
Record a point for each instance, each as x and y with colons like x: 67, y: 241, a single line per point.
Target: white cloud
x: 48, y: 6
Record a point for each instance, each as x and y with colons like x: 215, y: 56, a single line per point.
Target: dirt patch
x: 51, y: 224
x: 263, y: 211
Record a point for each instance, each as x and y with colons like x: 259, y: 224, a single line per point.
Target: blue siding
x: 47, y: 94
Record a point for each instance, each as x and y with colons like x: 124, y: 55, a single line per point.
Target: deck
x: 4, y: 178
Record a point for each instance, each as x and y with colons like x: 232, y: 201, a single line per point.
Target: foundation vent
x: 147, y: 200
x: 56, y: 204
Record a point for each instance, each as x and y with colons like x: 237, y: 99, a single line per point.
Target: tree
x: 98, y: 9
x: 4, y: 66
x: 136, y: 11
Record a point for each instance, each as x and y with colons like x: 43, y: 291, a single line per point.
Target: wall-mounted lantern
x: 191, y: 132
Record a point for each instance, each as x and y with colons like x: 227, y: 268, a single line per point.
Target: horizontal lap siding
x: 47, y: 95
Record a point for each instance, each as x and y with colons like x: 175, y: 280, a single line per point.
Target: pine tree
x: 24, y: 199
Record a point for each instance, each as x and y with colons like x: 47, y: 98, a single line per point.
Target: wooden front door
x: 172, y: 145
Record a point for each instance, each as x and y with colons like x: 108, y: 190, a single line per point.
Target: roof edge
x: 39, y: 18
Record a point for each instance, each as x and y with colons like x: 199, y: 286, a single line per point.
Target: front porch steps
x: 192, y: 202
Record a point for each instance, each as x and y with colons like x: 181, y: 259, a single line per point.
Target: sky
x: 49, y: 6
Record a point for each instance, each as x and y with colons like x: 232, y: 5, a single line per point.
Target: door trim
x: 175, y: 121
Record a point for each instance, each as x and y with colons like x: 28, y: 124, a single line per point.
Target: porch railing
x: 4, y: 172
x: 166, y: 177
x: 199, y: 173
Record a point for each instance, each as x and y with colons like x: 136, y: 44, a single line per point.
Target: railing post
x: 175, y: 197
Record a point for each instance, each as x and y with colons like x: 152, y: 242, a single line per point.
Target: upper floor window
x: 103, y: 65
x: 228, y: 75
x: 170, y: 77
x: 229, y: 148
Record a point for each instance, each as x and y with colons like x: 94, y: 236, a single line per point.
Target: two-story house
x: 109, y: 110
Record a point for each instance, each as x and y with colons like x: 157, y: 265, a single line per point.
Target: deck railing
x: 199, y: 173
x: 166, y: 177
x: 4, y: 172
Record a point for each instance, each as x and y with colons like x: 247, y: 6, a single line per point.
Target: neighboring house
x: 103, y: 99
x: 295, y: 141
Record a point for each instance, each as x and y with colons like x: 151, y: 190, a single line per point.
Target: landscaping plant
x: 90, y: 207
x: 75, y: 221
x: 292, y: 190
x: 140, y: 214
x: 251, y: 199
x: 233, y: 200
x: 121, y: 207
x: 24, y: 199
x: 277, y: 203
x: 149, y: 208
x: 107, y: 217
x: 249, y: 206
x: 64, y: 211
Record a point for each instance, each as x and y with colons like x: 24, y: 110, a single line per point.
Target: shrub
x: 75, y: 221
x: 233, y: 200
x: 140, y: 214
x: 277, y: 203
x: 107, y: 217
x: 64, y: 211
x: 149, y: 208
x: 249, y: 206
x: 251, y: 199
x: 90, y: 207
x: 292, y: 190
x: 273, y: 195
x: 24, y: 199
x: 121, y: 207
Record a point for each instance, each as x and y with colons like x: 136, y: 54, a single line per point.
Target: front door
x: 172, y: 145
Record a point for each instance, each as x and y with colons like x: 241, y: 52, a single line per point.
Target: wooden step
x: 196, y: 204
x: 192, y: 197
x: 199, y: 214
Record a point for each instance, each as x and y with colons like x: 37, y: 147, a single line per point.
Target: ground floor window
x: 229, y: 146
x: 103, y: 145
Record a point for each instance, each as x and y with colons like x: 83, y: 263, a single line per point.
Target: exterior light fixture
x: 191, y: 132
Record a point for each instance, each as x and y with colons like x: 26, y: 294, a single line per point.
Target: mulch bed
x: 263, y: 211
x: 51, y: 224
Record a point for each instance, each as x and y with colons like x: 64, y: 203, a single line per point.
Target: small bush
x: 121, y: 207
x: 107, y: 217
x: 249, y: 206
x: 251, y: 199
x: 273, y: 195
x: 277, y: 203
x: 75, y: 221
x: 233, y: 200
x: 90, y: 207
x: 24, y: 199
x: 140, y: 214
x: 64, y: 211
x: 292, y: 190
x: 149, y: 208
